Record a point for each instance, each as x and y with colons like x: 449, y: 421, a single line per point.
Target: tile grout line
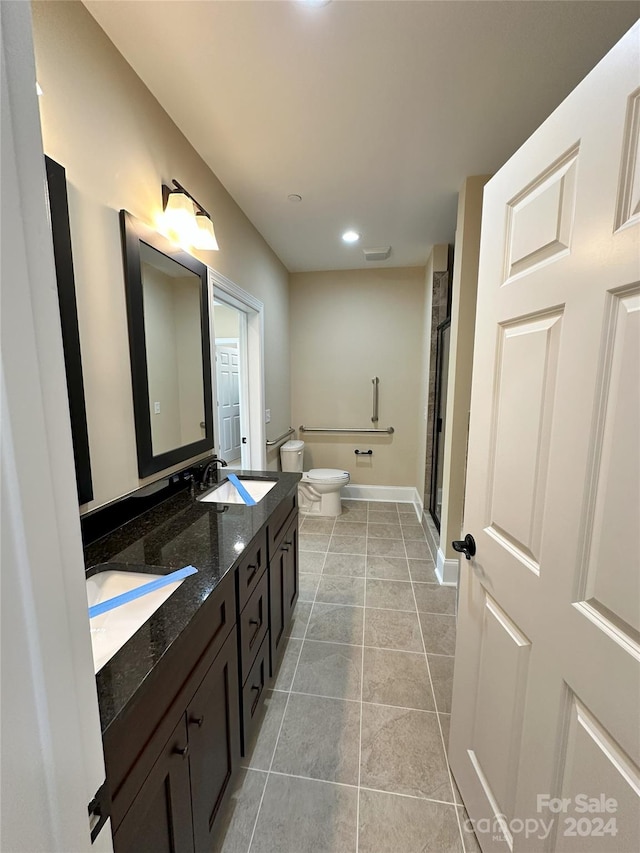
x: 368, y: 646
x: 356, y: 702
x: 348, y: 785
x: 275, y: 746
x: 364, y: 622
x: 362, y: 606
x: 435, y: 704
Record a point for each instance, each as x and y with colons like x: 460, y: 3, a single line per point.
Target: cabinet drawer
x: 253, y: 692
x: 279, y: 521
x: 248, y: 572
x: 254, y: 621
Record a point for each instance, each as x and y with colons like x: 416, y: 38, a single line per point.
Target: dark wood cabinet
x: 283, y: 587
x: 277, y: 605
x: 253, y: 623
x: 172, y: 756
x: 253, y: 634
x: 214, y: 743
x: 253, y: 693
x: 159, y: 818
x: 175, y: 808
x: 290, y: 546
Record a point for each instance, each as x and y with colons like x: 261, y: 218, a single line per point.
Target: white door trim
x: 231, y: 294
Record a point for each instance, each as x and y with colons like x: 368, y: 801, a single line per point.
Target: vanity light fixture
x: 206, y: 236
x: 186, y: 220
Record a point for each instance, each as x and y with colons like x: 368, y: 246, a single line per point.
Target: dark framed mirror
x: 168, y: 317
x: 63, y: 258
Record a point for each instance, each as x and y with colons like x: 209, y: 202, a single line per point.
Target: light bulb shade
x: 180, y: 217
x: 205, y: 235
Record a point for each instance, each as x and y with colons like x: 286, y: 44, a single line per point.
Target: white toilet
x: 319, y: 489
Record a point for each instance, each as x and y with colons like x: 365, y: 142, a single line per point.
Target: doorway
x: 231, y: 370
x: 237, y: 350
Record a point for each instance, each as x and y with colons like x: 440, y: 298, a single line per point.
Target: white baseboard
x: 397, y: 494
x: 447, y: 570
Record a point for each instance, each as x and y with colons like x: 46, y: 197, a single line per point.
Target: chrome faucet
x: 208, y: 473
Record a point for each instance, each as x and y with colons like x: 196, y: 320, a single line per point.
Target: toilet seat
x: 326, y: 475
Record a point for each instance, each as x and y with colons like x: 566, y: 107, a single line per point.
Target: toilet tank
x: 292, y: 456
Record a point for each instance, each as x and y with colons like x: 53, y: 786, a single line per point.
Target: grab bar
x: 387, y: 431
x: 376, y: 382
x: 280, y: 438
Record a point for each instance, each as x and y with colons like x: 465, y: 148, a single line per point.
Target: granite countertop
x: 180, y: 531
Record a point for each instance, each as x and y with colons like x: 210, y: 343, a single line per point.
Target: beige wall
x: 118, y: 146
x: 188, y: 318
x: 346, y: 328
x: 463, y: 321
x: 226, y: 321
x: 162, y: 358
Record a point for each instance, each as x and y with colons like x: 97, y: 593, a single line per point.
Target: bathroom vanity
x: 180, y: 701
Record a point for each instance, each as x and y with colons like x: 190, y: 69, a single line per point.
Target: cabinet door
x: 290, y: 547
x: 277, y: 605
x: 159, y: 819
x: 214, y: 741
x: 283, y: 588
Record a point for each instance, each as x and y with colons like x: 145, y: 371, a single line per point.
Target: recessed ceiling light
x: 294, y: 197
x: 350, y: 236
x: 316, y: 3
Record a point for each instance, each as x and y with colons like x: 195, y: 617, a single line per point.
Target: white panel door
x: 547, y: 683
x: 228, y: 389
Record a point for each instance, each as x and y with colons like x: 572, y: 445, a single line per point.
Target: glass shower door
x: 442, y: 372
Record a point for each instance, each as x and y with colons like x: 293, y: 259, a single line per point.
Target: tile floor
x: 351, y: 752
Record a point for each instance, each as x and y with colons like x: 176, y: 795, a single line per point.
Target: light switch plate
x: 156, y: 408
x: 267, y: 416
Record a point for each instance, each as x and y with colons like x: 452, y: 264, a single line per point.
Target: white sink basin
x: 111, y: 630
x: 226, y: 493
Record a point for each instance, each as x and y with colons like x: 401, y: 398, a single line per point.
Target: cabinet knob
x: 181, y: 750
x: 197, y: 721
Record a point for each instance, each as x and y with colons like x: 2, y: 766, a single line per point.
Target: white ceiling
x: 373, y: 110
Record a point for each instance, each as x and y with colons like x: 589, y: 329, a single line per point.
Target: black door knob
x: 466, y: 546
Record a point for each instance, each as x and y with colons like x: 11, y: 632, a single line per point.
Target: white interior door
x: 546, y: 686
x: 228, y: 387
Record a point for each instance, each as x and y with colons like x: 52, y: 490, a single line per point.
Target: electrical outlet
x: 156, y: 408
x: 267, y: 416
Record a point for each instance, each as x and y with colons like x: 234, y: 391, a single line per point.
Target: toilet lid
x: 327, y: 474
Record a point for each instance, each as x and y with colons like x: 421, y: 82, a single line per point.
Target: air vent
x: 380, y: 254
